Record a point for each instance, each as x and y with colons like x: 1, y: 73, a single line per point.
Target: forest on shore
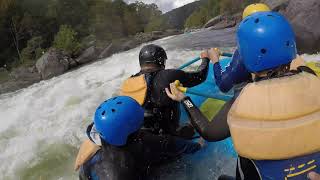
x: 28, y: 28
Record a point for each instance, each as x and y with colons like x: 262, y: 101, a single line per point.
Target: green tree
x: 33, y: 50
x: 157, y: 24
x: 130, y: 21
x: 213, y: 8
x: 197, y: 19
x: 66, y: 40
x: 70, y: 12
x: 146, y: 12
x: 100, y: 18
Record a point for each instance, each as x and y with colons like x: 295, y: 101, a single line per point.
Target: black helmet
x: 152, y: 54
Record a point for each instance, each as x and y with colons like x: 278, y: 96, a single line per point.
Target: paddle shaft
x: 198, y: 58
x: 219, y: 96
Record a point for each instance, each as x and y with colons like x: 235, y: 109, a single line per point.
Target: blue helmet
x: 266, y: 40
x: 117, y: 118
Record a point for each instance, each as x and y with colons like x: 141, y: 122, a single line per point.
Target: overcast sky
x: 165, y: 5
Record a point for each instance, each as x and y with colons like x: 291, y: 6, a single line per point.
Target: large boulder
x: 213, y: 21
x: 143, y: 37
x: 52, y: 63
x: 106, y: 52
x: 304, y: 17
x: 156, y: 35
x: 223, y: 21
x: 88, y: 55
x: 171, y: 32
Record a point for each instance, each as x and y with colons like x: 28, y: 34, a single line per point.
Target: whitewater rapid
x: 43, y: 125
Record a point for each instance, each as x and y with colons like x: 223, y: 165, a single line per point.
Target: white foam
x: 58, y: 110
x: 311, y: 57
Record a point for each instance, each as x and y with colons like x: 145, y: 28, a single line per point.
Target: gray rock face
x: 223, y: 21
x: 106, y: 52
x: 51, y: 64
x: 88, y: 55
x: 304, y: 17
x: 213, y: 21
x: 276, y: 5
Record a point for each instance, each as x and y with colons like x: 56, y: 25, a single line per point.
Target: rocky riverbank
x: 302, y: 15
x: 54, y: 62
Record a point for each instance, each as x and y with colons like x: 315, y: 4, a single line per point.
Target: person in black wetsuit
x: 125, y: 151
x: 271, y: 68
x: 161, y: 113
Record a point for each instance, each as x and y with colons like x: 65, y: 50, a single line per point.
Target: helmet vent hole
x: 288, y: 43
x: 270, y: 15
x: 113, y: 110
x: 114, y: 98
x: 103, y: 113
x: 256, y: 21
x: 119, y: 102
x: 263, y: 51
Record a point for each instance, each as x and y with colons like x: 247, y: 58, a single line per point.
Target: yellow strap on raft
x: 135, y: 87
x: 277, y: 118
x: 315, y: 66
x: 86, y: 151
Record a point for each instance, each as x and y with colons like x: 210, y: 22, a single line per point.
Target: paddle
x: 198, y: 58
x: 219, y: 96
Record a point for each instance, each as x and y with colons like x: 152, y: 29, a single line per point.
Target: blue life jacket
x: 290, y: 169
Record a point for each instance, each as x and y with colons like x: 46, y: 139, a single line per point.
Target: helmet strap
x: 272, y: 73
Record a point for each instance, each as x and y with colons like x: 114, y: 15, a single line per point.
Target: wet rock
x: 304, y: 17
x: 213, y: 21
x: 223, y: 25
x: 143, y: 37
x: 106, y: 52
x: 51, y: 64
x: 156, y: 34
x: 223, y: 21
x: 72, y: 63
x: 88, y: 55
x: 276, y: 5
x: 171, y: 32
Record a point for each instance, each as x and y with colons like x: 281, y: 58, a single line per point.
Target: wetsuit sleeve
x: 223, y: 79
x: 190, y: 79
x: 235, y: 73
x: 215, y: 130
